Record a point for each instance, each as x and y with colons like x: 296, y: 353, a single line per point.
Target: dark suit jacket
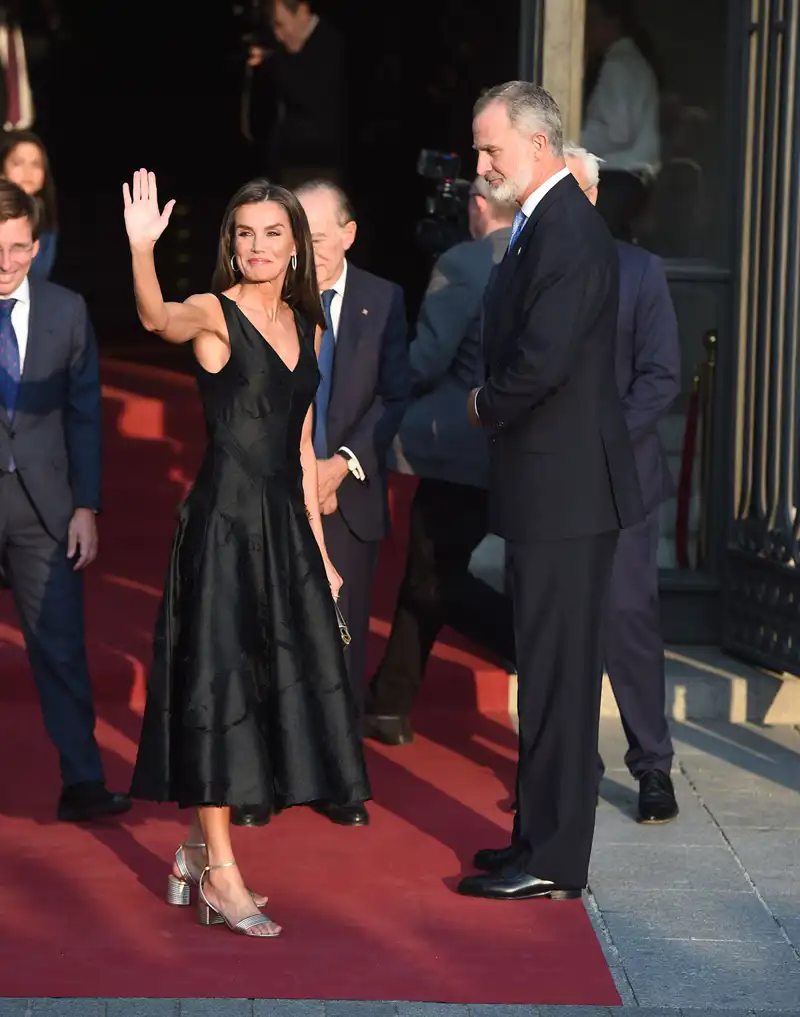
x: 55, y: 436
x: 648, y: 364
x: 371, y: 384
x: 561, y: 463
x: 436, y: 439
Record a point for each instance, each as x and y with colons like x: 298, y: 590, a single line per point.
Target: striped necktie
x: 519, y: 222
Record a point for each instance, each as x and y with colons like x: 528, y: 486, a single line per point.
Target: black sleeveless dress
x: 248, y: 700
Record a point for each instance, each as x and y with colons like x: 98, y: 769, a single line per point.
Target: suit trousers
x: 48, y: 595
x: 560, y: 590
x: 635, y: 649
x: 355, y: 560
x: 448, y: 521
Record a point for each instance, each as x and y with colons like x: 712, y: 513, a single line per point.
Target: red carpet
x: 367, y: 913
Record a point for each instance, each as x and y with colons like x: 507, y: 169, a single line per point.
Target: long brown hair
x: 46, y: 197
x: 300, y: 290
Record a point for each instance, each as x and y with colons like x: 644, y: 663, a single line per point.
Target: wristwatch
x: 353, y: 465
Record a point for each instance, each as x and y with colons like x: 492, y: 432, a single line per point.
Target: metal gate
x: 762, y: 589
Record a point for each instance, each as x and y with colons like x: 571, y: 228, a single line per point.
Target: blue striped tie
x: 323, y: 397
x: 10, y: 371
x: 519, y: 222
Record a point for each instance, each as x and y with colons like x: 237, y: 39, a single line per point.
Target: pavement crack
x: 729, y: 844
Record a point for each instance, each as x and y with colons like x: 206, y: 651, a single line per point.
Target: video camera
x: 446, y: 221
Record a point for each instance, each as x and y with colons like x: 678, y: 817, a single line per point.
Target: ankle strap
x: 221, y: 865
x: 189, y: 845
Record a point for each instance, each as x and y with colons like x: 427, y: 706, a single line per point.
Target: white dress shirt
x: 533, y: 200
x: 528, y: 205
x: 20, y: 317
x: 621, y: 125
x: 353, y: 464
x: 336, y: 303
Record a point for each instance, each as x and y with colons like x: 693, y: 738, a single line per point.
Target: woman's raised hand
x: 143, y: 221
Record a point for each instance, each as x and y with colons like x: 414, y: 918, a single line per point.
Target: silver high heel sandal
x: 179, y: 888
x: 207, y: 914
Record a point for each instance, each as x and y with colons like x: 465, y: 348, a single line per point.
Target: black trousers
x: 355, y: 560
x: 48, y: 595
x: 635, y: 649
x: 560, y: 594
x: 621, y: 199
x: 448, y: 521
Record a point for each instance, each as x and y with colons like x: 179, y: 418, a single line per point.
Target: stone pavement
x: 697, y: 918
x: 705, y: 911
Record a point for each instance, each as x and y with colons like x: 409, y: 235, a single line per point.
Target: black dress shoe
x: 495, y: 859
x: 80, y: 803
x: 514, y: 884
x: 343, y: 815
x: 389, y: 729
x: 657, y: 802
x: 250, y: 815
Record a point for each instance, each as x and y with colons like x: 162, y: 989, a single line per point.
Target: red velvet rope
x: 685, y: 481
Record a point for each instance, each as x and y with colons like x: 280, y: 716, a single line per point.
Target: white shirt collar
x: 339, y: 285
x: 22, y: 293
x: 533, y: 200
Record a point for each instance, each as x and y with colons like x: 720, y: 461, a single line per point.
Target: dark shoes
x: 81, y: 803
x: 657, y: 802
x: 250, y: 815
x: 343, y: 815
x: 495, y: 859
x: 514, y: 884
x: 389, y: 730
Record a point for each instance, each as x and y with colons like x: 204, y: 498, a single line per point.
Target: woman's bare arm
x: 144, y: 224
x: 308, y: 462
x: 174, y: 322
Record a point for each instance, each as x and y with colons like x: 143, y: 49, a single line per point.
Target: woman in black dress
x: 248, y: 701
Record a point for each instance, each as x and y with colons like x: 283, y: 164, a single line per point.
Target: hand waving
x: 143, y: 221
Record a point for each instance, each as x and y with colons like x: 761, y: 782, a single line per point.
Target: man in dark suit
x: 363, y: 391
x: 50, y: 459
x: 449, y: 514
x: 562, y: 482
x: 648, y: 371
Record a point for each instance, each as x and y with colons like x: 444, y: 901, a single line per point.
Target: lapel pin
x: 364, y: 311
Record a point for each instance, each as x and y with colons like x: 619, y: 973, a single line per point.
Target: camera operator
x: 435, y: 442
x: 296, y: 109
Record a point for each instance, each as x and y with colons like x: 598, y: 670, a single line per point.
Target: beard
x: 510, y: 189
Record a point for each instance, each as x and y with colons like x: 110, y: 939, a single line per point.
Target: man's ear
x: 349, y: 234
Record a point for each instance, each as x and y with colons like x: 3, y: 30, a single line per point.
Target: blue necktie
x: 519, y: 222
x: 10, y: 372
x: 323, y: 397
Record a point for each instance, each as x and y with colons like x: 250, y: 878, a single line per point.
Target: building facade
x: 724, y: 215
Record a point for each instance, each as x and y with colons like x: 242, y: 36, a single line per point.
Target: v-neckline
x: 268, y: 344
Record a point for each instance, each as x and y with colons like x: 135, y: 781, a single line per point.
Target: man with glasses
x: 50, y: 462
x: 648, y: 370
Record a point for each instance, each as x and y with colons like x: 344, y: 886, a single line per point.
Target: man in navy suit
x: 648, y: 378
x: 50, y: 463
x: 363, y: 392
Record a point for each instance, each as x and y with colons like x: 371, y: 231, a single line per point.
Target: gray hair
x: 501, y: 209
x: 529, y: 107
x: 346, y: 211
x: 589, y: 161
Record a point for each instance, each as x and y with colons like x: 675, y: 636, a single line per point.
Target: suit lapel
x: 515, y: 256
x: 39, y: 329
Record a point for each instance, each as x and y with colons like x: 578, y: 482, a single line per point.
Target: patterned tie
x: 323, y: 397
x: 519, y: 221
x: 10, y: 372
